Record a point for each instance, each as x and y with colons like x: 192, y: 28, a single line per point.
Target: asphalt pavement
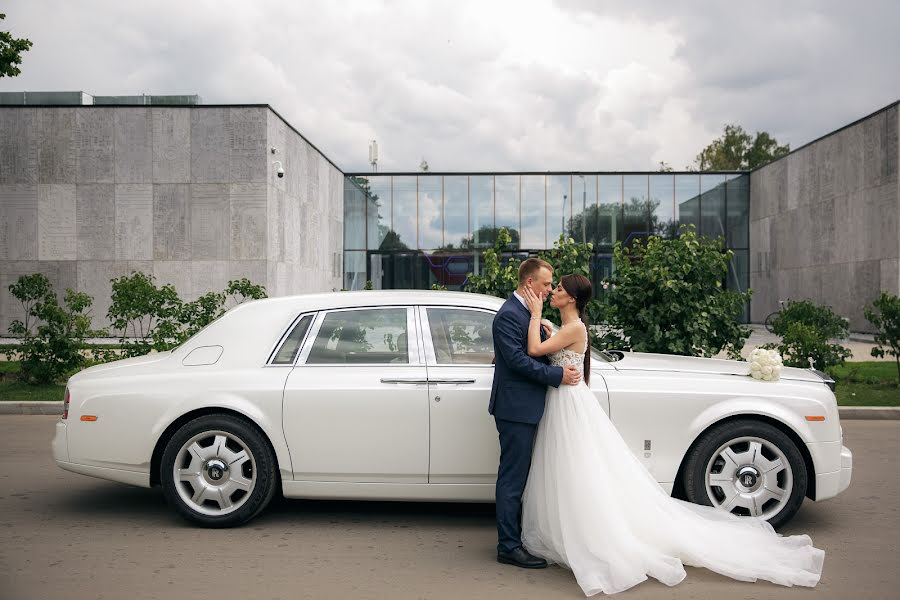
x: 69, y: 536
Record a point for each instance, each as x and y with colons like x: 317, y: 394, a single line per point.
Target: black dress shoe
x: 521, y: 558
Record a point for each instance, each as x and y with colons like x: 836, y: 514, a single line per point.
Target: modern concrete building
x: 95, y: 187
x: 825, y: 221
x: 188, y: 193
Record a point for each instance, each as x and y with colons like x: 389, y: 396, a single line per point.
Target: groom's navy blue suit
x: 517, y: 403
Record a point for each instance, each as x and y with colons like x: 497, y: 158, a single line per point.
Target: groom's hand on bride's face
x: 570, y: 375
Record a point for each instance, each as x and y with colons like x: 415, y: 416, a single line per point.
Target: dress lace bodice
x: 566, y: 357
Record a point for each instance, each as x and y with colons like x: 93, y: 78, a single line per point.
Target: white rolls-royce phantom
x: 384, y: 395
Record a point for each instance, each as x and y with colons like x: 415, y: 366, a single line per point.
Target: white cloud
x: 496, y: 85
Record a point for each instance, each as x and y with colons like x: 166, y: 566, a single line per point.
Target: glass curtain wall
x: 414, y: 231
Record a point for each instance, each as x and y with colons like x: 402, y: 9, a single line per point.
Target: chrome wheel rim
x: 749, y: 476
x: 214, y: 473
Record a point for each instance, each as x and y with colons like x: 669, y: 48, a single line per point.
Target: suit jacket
x: 520, y: 381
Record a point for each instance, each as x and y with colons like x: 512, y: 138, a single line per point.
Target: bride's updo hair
x: 580, y: 288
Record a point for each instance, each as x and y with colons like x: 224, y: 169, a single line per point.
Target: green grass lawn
x: 867, y: 383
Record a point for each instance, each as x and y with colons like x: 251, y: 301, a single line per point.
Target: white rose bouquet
x: 765, y: 364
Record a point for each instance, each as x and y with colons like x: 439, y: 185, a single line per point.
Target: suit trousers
x: 516, y: 445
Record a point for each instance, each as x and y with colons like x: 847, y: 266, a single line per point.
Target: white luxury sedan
x: 384, y: 395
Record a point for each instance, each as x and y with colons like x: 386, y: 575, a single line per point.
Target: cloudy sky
x: 485, y: 85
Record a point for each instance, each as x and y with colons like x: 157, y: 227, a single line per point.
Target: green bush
x: 155, y: 318
x: 805, y: 329
x: 53, y: 349
x: 498, y: 279
x: 884, y: 314
x: 667, y: 296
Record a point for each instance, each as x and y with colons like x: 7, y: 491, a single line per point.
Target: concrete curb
x: 848, y: 413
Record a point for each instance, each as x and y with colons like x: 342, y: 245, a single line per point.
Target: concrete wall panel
x: 172, y: 222
x: 56, y: 148
x: 210, y: 146
x: 250, y: 156
x: 171, y: 145
x: 210, y: 222
x: 95, y: 218
x: 57, y: 233
x: 134, y: 221
x: 95, y: 145
x: 18, y: 222
x: 248, y: 221
x: 18, y: 146
x: 134, y: 145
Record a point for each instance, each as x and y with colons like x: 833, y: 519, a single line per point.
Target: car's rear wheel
x: 218, y: 471
x: 747, y: 468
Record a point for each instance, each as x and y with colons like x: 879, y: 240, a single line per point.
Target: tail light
x: 66, y: 405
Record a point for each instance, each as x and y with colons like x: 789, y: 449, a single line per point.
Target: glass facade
x: 412, y: 231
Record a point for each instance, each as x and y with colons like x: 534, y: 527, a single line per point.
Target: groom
x: 517, y: 403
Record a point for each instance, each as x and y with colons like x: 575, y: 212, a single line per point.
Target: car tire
x: 218, y: 471
x: 748, y: 467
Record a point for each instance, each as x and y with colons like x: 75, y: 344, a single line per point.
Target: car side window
x: 461, y: 337
x: 361, y: 336
x: 288, y: 351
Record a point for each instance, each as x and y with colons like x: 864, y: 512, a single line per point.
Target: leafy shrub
x: 805, y: 329
x: 155, y: 318
x: 667, y: 296
x: 498, y: 279
x: 53, y: 349
x: 884, y: 314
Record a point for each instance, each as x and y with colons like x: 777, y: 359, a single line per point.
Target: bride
x: 591, y: 506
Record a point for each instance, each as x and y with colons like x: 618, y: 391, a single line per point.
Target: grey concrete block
x: 248, y: 221
x: 134, y: 145
x: 56, y: 148
x: 210, y: 222
x: 18, y: 222
x: 274, y: 223
x: 247, y: 129
x: 172, y: 222
x: 208, y: 276
x: 890, y: 276
x: 171, y: 145
x: 276, y: 137
x: 254, y: 270
x: 134, y: 221
x: 210, y: 146
x: 176, y: 273
x: 57, y: 232
x: 18, y: 145
x: 95, y: 278
x: 95, y: 217
x: 95, y: 145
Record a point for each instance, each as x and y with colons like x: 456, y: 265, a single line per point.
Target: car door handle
x: 409, y: 380
x: 451, y: 380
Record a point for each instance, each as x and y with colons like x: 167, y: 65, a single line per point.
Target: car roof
x: 322, y: 301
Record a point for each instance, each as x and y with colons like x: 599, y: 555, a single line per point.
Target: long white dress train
x: 590, y: 505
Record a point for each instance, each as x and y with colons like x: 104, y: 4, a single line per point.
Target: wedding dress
x: 591, y: 506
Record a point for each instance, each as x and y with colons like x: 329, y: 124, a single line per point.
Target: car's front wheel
x: 218, y: 471
x: 748, y: 468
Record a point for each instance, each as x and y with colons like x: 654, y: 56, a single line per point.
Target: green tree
x: 498, y: 279
x: 53, y: 349
x: 805, y: 329
x: 11, y: 50
x: 666, y: 296
x: 884, y: 314
x: 738, y: 150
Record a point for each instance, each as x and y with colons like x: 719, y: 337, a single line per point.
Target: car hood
x: 641, y: 361
x: 116, y: 365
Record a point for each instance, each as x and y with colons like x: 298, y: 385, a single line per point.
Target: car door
x: 356, y: 404
x: 459, y: 350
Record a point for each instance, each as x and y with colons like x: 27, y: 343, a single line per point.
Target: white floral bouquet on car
x: 765, y: 364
